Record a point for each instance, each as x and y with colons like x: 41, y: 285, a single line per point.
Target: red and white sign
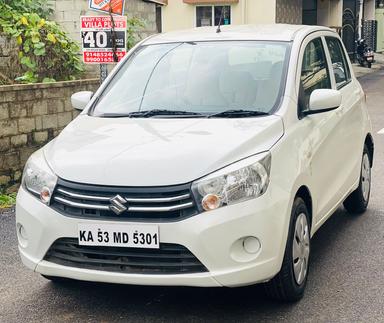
x: 101, y: 57
x: 114, y: 6
x: 102, y: 22
x: 99, y: 41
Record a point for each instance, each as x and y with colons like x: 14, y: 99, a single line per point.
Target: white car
x: 205, y: 159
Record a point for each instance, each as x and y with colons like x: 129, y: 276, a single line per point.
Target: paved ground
x: 362, y: 71
x: 346, y: 280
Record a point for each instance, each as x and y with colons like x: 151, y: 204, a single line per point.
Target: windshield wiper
x: 163, y: 112
x: 238, y: 114
x: 152, y: 113
x: 112, y: 115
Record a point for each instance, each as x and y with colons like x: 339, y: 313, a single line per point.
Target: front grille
x: 168, y: 203
x: 169, y: 259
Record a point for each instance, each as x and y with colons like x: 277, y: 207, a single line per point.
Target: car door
x: 350, y: 112
x: 322, y: 130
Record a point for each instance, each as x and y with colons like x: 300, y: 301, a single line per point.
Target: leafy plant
x: 7, y: 200
x: 41, y: 7
x: 46, y: 53
x: 133, y: 27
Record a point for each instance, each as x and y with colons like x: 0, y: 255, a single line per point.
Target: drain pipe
x: 361, y: 17
x: 244, y: 13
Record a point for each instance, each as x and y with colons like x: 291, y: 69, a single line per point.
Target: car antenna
x: 218, y: 30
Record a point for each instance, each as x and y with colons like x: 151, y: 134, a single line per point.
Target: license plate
x: 119, y: 235
x: 369, y: 59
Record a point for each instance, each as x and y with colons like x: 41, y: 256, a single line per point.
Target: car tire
x: 357, y: 201
x: 369, y: 65
x: 288, y: 285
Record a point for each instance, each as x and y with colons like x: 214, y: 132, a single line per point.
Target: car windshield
x: 197, y: 79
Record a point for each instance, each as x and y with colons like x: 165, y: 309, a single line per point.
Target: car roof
x: 272, y: 32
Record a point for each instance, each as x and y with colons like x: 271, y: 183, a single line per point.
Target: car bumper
x: 213, y: 237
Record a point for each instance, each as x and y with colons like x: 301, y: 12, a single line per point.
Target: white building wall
x: 178, y: 15
x: 259, y: 12
x: 369, y: 9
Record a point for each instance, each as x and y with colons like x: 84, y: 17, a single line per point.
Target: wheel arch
x: 304, y: 193
x: 371, y: 147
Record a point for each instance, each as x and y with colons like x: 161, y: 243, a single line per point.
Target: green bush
x: 133, y: 27
x: 46, y: 53
x: 7, y: 200
x: 41, y: 7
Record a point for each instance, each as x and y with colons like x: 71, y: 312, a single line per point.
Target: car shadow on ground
x: 192, y: 302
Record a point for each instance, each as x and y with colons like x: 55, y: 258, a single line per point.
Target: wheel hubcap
x: 365, y: 177
x: 300, y: 249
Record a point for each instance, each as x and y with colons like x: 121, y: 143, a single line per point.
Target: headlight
x: 38, y: 178
x: 241, y: 181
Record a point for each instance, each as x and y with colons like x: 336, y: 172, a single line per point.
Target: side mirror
x: 80, y: 100
x: 323, y: 100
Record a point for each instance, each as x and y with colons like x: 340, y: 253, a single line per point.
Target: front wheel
x: 357, y: 201
x: 289, y: 284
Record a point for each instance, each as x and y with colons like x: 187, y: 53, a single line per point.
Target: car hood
x: 155, y: 151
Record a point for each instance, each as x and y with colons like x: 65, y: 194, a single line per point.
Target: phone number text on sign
x: 101, y: 57
x: 98, y: 40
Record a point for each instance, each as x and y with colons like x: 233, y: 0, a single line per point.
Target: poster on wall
x: 116, y: 7
x: 101, y: 44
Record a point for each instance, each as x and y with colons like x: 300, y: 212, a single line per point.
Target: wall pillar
x: 330, y: 13
x: 369, y: 9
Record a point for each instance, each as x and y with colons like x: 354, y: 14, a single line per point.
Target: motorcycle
x: 365, y: 55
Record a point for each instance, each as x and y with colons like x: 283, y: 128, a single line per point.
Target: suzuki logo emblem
x: 117, y: 204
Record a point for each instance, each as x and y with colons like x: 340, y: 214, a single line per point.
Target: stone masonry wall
x: 30, y: 116
x: 8, y: 59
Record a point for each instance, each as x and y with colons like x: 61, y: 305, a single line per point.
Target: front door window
x: 314, y: 72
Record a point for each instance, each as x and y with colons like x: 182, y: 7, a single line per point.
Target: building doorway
x: 310, y: 12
